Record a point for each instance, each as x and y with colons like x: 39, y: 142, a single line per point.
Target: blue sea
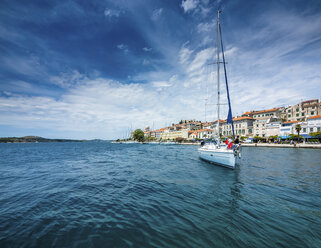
x: 99, y: 194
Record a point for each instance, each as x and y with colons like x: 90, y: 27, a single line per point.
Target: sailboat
x: 216, y: 152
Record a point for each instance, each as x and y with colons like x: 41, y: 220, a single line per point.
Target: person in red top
x: 226, y: 141
x: 230, y: 145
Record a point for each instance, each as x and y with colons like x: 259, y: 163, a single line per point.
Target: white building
x: 204, y: 133
x: 273, y: 126
x: 287, y: 128
x: 314, y: 124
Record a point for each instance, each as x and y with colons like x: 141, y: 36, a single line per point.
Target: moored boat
x: 217, y: 152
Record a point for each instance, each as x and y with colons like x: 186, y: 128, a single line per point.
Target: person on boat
x: 236, y: 143
x: 226, y: 141
x: 229, y: 144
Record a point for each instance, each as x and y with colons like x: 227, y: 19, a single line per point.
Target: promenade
x: 301, y: 145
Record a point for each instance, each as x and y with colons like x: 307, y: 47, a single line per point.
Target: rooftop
x: 265, y: 111
x: 314, y: 117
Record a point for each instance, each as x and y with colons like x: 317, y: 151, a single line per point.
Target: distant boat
x: 216, y: 152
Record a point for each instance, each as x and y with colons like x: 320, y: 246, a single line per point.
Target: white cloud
x: 97, y: 108
x: 184, y: 53
x: 67, y: 79
x: 147, y: 49
x: 260, y: 76
x: 123, y: 47
x: 111, y: 13
x: 146, y: 62
x: 189, y: 5
x: 157, y: 13
x: 206, y: 27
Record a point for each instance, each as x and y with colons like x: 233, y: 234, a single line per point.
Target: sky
x: 101, y: 68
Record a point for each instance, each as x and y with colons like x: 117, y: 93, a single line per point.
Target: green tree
x: 298, y: 129
x: 138, y: 135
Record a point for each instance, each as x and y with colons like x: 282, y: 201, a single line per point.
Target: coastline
x: 313, y: 146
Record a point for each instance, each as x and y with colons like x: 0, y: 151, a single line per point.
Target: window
x: 297, y: 110
x: 313, y: 107
x: 311, y: 129
x: 289, y: 111
x: 257, y: 125
x: 297, y: 114
x: 289, y: 116
x: 258, y: 116
x: 262, y: 115
x: 254, y: 116
x: 250, y: 130
x: 243, y: 131
x: 304, y: 130
x: 263, y: 135
x: 312, y: 112
x: 319, y: 129
x: 262, y: 125
x: 302, y: 114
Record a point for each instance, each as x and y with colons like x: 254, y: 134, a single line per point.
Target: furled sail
x: 229, y: 115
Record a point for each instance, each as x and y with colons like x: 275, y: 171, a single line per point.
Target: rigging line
x: 227, y: 89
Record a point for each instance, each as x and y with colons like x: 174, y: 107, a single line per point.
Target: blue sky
x: 96, y: 69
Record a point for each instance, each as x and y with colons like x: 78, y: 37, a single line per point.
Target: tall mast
x: 218, y: 74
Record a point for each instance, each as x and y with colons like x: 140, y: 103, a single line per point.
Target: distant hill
x: 34, y: 139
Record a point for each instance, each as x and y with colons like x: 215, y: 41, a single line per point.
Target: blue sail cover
x: 229, y: 116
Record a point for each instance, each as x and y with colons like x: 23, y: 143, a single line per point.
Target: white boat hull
x: 222, y: 156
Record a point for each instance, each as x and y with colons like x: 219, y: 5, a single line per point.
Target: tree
x: 298, y: 129
x: 138, y: 135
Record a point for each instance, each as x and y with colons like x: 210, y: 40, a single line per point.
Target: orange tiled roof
x: 204, y: 130
x: 242, y: 118
x: 314, y: 117
x: 265, y: 111
x: 221, y: 121
x: 288, y: 122
x: 249, y: 112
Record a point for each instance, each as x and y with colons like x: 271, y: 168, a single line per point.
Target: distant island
x: 34, y: 139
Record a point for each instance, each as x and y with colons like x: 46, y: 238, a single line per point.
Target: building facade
x: 171, y: 135
x: 303, y: 110
x: 314, y: 124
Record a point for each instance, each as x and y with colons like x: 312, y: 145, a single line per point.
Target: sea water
x: 99, y: 194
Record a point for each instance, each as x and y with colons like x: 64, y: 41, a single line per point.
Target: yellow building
x: 171, y: 135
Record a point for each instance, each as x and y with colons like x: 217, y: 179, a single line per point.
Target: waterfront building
x: 287, y: 128
x: 248, y: 114
x: 273, y: 126
x: 303, y: 110
x: 192, y: 135
x: 261, y: 119
x: 158, y: 133
x: 213, y: 126
x: 266, y: 114
x: 243, y: 126
x: 304, y: 129
x: 314, y: 124
x: 171, y: 135
x: 204, y: 133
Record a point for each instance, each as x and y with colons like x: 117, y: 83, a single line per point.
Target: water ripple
x: 131, y: 195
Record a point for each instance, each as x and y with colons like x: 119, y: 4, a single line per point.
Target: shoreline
x: 313, y: 146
